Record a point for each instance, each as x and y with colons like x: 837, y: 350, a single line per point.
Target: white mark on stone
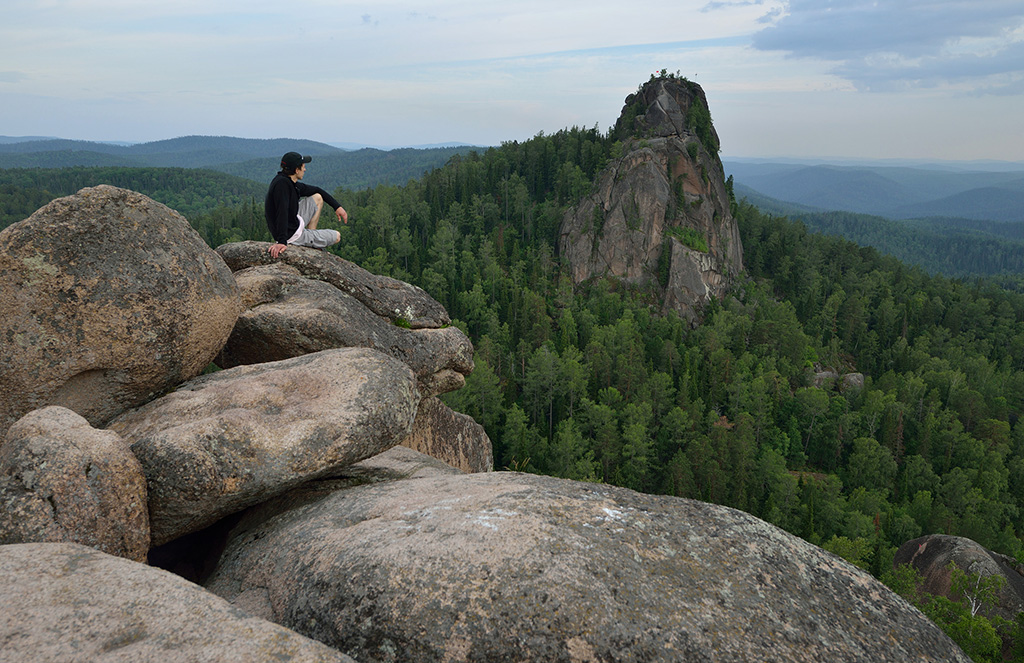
x: 613, y: 514
x: 485, y: 521
x: 491, y: 518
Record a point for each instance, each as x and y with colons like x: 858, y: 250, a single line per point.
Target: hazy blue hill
x: 822, y: 186
x: 183, y: 152
x: 996, y: 203
x: 252, y: 147
x: 212, y: 151
x: 770, y: 205
x: 5, y: 140
x: 59, y: 145
x: 892, y: 191
x: 855, y: 190
x: 930, y: 183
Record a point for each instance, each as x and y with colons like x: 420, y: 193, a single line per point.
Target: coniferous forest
x: 595, y: 383
x: 598, y: 384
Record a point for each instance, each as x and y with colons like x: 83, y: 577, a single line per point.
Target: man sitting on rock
x: 293, y: 208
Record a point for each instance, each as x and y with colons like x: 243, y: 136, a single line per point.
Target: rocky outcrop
x: 231, y: 439
x: 829, y: 378
x: 387, y: 297
x: 931, y: 555
x: 503, y: 566
x: 289, y: 315
x: 450, y: 436
x: 852, y: 382
x: 396, y: 463
x: 62, y: 480
x: 109, y: 299
x: 661, y: 212
x: 194, y: 556
x: 65, y: 602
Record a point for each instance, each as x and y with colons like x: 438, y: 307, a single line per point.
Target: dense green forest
x: 596, y: 383
x: 191, y: 192
x: 956, y: 247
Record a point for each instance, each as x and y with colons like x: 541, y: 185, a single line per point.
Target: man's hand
x: 277, y: 249
x: 342, y: 214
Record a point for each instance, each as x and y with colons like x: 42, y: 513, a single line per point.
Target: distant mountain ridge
x: 895, y: 192
x: 251, y: 158
x: 183, y: 152
x: 4, y: 140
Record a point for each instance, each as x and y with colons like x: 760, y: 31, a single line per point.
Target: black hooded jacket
x: 281, y: 206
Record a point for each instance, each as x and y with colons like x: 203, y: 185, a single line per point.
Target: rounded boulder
x: 61, y: 480
x: 110, y: 298
x: 509, y: 567
x: 65, y: 602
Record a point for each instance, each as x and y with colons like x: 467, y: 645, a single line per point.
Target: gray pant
x: 317, y: 239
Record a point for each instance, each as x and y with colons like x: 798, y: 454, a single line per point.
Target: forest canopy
x: 595, y: 383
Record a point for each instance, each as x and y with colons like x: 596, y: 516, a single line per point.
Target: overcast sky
x: 934, y: 79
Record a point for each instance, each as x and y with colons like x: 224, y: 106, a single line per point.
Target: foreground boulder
x: 510, y: 567
x: 288, y: 315
x: 931, y: 555
x: 451, y: 436
x: 234, y: 438
x: 195, y: 556
x: 387, y: 297
x: 109, y: 298
x: 64, y: 602
x: 61, y: 480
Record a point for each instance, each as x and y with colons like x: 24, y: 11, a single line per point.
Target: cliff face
x: 660, y: 212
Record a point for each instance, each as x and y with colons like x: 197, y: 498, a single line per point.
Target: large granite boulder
x: 660, y: 214
x: 931, y: 555
x: 109, y: 299
x: 234, y: 438
x: 396, y: 463
x: 195, y: 556
x: 387, y: 297
x: 65, y: 602
x: 61, y: 480
x: 511, y: 567
x: 455, y: 438
x: 288, y: 315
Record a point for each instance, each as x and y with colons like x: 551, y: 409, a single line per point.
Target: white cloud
x: 397, y: 72
x: 893, y: 44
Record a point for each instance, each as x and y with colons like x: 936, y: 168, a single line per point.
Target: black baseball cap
x: 294, y: 160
